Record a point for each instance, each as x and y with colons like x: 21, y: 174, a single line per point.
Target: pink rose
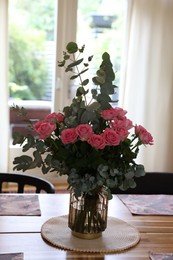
x: 97, y: 141
x: 60, y: 117
x: 118, y: 124
x: 111, y: 137
x: 143, y: 135
x: 108, y: 114
x: 44, y: 129
x: 84, y: 131
x: 113, y: 113
x: 121, y: 127
x: 123, y: 133
x: 128, y: 124
x: 53, y: 117
x: 68, y: 136
x: 119, y: 112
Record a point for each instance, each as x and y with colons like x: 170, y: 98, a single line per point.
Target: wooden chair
x: 22, y: 180
x: 151, y: 183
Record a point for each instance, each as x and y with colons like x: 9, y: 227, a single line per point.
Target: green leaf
x: 93, y: 107
x: 82, y: 105
x: 85, y: 82
x: 61, y: 63
x: 104, y: 104
x: 80, y: 91
x: 132, y: 184
x: 37, y: 159
x: 83, y: 71
x: 18, y: 138
x: 103, y: 97
x: 72, y: 47
x: 105, y: 56
x: 30, y: 143
x: 67, y: 111
x: 140, y: 171
x: 94, y: 92
x: 113, y: 172
x: 87, y: 116
x: 98, y: 80
x: 111, y: 183
x: 74, y: 76
x: 75, y: 63
x: 90, y: 58
x: 81, y: 49
x: 107, y: 88
x: 71, y: 121
x: 21, y: 111
x: 101, y: 73
x: 45, y: 169
x: 104, y: 174
x: 68, y: 69
x: 129, y: 175
x: 22, y: 163
x: 66, y: 57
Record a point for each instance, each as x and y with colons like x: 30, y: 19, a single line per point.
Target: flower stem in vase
x: 88, y: 215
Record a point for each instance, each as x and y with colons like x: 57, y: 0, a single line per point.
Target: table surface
x: 22, y: 233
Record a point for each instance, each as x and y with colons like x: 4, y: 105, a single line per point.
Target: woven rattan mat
x: 118, y: 236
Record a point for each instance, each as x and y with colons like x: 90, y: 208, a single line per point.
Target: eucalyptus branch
x: 80, y: 78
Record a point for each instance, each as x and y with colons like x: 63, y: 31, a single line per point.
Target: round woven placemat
x: 118, y: 236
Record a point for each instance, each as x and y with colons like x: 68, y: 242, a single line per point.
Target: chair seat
x: 151, y: 183
x: 22, y: 180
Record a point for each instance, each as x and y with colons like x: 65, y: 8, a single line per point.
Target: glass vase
x: 88, y: 214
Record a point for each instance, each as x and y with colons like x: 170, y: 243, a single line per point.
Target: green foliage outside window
x: 28, y: 71
x: 27, y: 65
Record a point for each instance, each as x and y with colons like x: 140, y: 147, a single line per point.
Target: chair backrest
x: 22, y: 180
x: 151, y: 183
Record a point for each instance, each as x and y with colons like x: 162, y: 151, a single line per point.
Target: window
x: 38, y: 33
x: 50, y: 25
x: 31, y: 57
x: 31, y: 49
x: 101, y: 27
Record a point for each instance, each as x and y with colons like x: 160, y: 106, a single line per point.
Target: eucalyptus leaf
x: 30, y: 143
x: 85, y: 82
x: 75, y: 63
x: 72, y: 47
x: 83, y: 71
x: 93, y: 107
x: 103, y: 97
x: 110, y: 183
x: 74, y: 76
x: 87, y: 116
x: 45, y: 169
x: 18, y: 138
x: 61, y: 63
x: 129, y: 175
x: 94, y: 91
x: 98, y: 80
x: 140, y: 171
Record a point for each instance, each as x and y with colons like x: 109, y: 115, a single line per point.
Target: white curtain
x: 4, y: 122
x: 146, y: 90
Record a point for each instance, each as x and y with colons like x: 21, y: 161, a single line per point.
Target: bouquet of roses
x: 92, y: 142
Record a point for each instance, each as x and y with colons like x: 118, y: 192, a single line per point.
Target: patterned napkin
x: 19, y: 205
x: 161, y: 256
x: 13, y: 256
x: 148, y: 204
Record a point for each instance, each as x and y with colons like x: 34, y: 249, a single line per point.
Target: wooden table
x: 22, y: 233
